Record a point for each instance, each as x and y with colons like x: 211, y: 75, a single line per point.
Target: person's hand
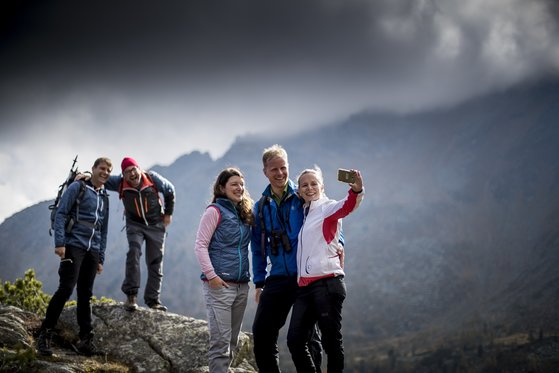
x: 167, y: 219
x: 258, y: 292
x: 82, y: 176
x: 357, y: 186
x: 99, y: 268
x: 60, y: 251
x: 217, y: 283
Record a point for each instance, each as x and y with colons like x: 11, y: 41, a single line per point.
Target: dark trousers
x: 154, y: 237
x: 320, y: 302
x: 78, y: 267
x: 276, y: 301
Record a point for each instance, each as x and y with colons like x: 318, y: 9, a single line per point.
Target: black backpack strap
x: 76, y: 219
x: 261, y: 203
x: 80, y: 196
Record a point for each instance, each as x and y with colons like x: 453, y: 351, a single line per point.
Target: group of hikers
x: 297, y: 245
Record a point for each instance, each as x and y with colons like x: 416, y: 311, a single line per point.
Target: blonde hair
x: 273, y: 152
x: 316, y: 171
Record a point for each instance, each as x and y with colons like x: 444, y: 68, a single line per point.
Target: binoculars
x: 275, y: 238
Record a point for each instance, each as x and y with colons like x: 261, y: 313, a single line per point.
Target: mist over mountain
x: 459, y: 227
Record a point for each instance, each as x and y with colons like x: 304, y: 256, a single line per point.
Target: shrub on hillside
x: 25, y: 293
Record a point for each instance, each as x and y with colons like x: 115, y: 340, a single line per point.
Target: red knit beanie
x: 127, y: 162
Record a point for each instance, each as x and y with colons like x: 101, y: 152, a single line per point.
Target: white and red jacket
x: 317, y: 250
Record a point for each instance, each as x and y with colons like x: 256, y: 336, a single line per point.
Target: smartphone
x: 346, y: 176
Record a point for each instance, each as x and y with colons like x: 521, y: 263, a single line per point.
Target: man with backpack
x: 80, y: 238
x: 146, y: 220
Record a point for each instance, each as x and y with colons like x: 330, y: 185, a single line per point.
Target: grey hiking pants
x: 154, y: 237
x: 225, y: 308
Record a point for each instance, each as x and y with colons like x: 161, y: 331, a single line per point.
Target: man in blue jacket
x: 147, y: 219
x: 278, y: 219
x: 80, y: 238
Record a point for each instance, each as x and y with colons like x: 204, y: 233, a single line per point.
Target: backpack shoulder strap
x: 261, y: 202
x: 79, y: 199
x: 82, y: 191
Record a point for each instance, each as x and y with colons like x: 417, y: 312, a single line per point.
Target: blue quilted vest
x: 228, y: 247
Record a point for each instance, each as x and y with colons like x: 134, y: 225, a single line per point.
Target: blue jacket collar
x: 291, y: 189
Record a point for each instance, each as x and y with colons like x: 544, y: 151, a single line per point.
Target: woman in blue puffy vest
x: 222, y: 251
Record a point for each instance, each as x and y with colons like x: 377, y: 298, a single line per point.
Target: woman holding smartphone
x: 320, y: 272
x: 222, y: 251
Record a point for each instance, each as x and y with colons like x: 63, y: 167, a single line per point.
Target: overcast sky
x: 157, y: 79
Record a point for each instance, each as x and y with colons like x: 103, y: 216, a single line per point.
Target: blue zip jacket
x: 286, y: 218
x: 228, y: 248
x: 91, y: 218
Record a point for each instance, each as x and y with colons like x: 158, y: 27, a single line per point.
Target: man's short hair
x: 273, y: 152
x: 100, y: 160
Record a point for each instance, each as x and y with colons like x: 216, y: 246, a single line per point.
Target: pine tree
x: 25, y: 293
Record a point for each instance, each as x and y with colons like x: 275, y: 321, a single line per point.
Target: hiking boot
x: 131, y: 303
x: 44, y: 341
x: 158, y: 307
x: 86, y: 347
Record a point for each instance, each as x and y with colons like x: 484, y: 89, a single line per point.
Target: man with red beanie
x: 147, y: 219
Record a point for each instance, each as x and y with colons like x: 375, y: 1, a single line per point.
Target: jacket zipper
x: 300, y: 243
x: 239, y: 246
x: 95, y: 224
x: 143, y: 215
x: 239, y: 253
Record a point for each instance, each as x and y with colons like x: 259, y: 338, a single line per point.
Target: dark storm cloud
x: 152, y: 40
x: 131, y: 43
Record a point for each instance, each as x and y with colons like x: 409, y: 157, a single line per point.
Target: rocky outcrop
x: 140, y: 341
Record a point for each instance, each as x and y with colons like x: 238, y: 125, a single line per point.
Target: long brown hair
x: 245, y: 206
